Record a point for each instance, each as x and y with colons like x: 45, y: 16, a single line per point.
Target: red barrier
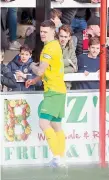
x: 102, y: 123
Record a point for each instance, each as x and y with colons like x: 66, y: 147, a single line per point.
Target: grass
x: 45, y: 173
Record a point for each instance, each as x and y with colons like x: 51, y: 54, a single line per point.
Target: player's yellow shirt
x: 53, y: 77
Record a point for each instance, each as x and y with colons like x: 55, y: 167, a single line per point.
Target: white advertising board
x: 24, y: 143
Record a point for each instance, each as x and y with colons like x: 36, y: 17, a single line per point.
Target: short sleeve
x: 46, y: 55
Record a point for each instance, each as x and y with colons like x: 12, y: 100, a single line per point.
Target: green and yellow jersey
x: 53, y: 77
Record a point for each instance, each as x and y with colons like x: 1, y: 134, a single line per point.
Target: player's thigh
x: 56, y: 126
x: 44, y: 124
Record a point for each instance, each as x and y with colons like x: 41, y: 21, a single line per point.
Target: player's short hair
x: 25, y: 47
x: 94, y: 41
x: 55, y: 13
x: 48, y: 23
x: 66, y: 28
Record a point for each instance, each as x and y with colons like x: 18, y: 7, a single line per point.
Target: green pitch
x: 38, y: 173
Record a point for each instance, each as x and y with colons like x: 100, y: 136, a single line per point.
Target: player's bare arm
x: 39, y: 70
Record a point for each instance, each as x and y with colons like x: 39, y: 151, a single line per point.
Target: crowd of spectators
x: 78, y: 31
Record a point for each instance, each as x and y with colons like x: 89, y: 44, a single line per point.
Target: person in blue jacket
x: 90, y: 63
x: 20, y: 67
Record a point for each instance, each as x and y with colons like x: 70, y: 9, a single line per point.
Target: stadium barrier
x: 23, y: 141
x: 82, y: 77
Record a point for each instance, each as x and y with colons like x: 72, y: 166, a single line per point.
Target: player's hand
x: 86, y: 73
x: 29, y: 83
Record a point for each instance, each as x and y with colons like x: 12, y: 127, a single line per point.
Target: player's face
x: 47, y: 34
x: 64, y: 37
x: 94, y: 50
x: 24, y: 55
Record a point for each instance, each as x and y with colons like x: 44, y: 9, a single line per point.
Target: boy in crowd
x: 90, y: 63
x: 20, y: 67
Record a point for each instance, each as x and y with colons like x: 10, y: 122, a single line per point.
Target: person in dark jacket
x: 6, y: 77
x: 20, y: 67
x: 88, y: 63
x: 93, y: 21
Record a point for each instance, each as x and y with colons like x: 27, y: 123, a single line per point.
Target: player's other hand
x: 29, y: 83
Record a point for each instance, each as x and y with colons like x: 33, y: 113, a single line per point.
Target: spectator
x: 90, y: 63
x: 82, y: 35
x: 94, y: 19
x: 77, y: 19
x: 68, y: 14
x: 91, y: 31
x: 55, y: 16
x: 79, y: 22
x: 69, y: 56
x: 6, y: 77
x: 20, y: 67
x: 12, y: 23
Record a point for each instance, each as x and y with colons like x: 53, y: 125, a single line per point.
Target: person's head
x: 55, y: 16
x: 25, y: 53
x: 47, y: 31
x: 93, y: 30
x: 65, y: 33
x: 94, y: 47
